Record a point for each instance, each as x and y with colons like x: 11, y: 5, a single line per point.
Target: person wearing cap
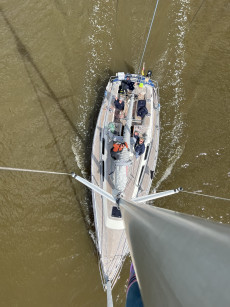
x: 119, y: 104
x: 139, y: 146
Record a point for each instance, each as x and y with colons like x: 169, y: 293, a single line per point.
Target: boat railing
x: 138, y: 79
x: 117, y: 261
x: 122, y: 257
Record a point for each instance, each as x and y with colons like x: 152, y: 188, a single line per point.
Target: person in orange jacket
x: 119, y: 146
x: 117, y: 149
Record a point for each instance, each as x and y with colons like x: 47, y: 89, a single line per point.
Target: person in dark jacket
x: 142, y: 112
x: 126, y: 85
x: 130, y: 84
x: 119, y: 104
x: 139, y: 146
x: 141, y: 108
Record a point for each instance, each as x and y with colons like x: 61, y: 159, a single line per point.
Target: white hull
x: 111, y: 238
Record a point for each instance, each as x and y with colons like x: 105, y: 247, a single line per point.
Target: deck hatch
x: 146, y: 152
x: 103, y: 170
x: 122, y: 130
x: 142, y: 169
x: 116, y: 212
x: 132, y: 128
x: 103, y: 146
x: 152, y: 174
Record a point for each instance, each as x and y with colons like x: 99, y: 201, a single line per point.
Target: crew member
x: 119, y: 104
x: 117, y: 149
x: 126, y: 85
x: 139, y: 146
x: 119, y: 146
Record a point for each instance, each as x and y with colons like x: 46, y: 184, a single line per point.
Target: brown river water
x: 55, y: 60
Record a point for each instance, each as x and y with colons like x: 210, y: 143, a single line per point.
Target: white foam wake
x: 173, y: 140
x: 99, y: 47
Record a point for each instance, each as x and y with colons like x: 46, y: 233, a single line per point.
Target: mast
x: 179, y: 260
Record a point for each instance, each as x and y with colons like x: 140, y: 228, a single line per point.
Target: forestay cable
x: 31, y: 170
x: 148, y: 36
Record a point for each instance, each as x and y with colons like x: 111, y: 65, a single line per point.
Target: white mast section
x: 143, y: 199
x: 109, y: 294
x: 94, y: 187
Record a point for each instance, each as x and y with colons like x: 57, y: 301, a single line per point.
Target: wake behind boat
x: 124, y: 155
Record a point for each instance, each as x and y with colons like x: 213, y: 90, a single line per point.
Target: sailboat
x: 122, y: 173
x: 163, y: 244
x: 123, y: 161
x: 179, y: 260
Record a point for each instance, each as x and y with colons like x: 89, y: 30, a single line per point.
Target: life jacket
x: 118, y: 147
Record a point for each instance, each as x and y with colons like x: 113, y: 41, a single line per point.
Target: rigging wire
x: 67, y: 174
x: 200, y: 194
x: 196, y: 12
x: 147, y: 20
x: 31, y: 171
x: 114, y: 61
x: 154, y: 13
x: 211, y: 196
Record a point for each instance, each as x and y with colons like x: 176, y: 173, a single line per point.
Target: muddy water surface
x: 55, y: 60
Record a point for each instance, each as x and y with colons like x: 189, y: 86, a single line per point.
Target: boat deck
x: 112, y: 243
